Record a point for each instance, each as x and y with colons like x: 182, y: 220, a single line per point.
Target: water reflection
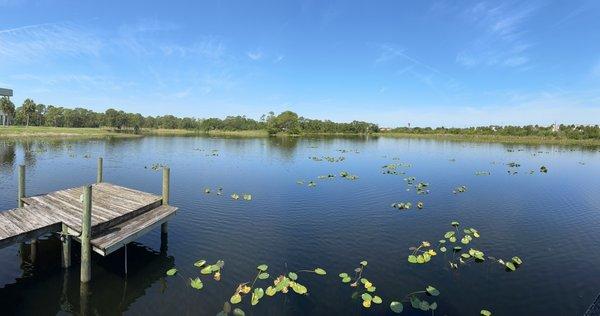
x: 44, y: 288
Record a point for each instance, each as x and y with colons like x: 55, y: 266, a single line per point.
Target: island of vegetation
x: 37, y: 120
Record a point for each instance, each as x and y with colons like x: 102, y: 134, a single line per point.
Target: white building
x: 5, y: 119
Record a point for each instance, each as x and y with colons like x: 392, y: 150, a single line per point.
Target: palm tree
x: 28, y: 109
x: 7, y: 107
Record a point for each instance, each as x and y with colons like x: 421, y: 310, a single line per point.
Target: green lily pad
x: 412, y: 259
x: 171, y: 272
x: 396, y: 307
x: 236, y: 298
x: 363, y: 263
x: 510, y: 266
x: 346, y: 279
x: 517, y: 260
x: 206, y: 270
x: 299, y: 288
x: 270, y: 291
x: 443, y: 249
x: 377, y: 299
x: 455, y: 224
x: 293, y: 276
x: 343, y: 275
x: 366, y: 297
x: 320, y: 271
x: 485, y: 312
x: 262, y: 267
x: 432, y: 291
x: 257, y: 294
x: 199, y: 263
x: 196, y: 283
x: 238, y: 312
x: 263, y: 276
x: 449, y: 234
x: 433, y: 306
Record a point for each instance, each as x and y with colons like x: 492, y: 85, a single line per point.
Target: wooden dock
x: 117, y: 216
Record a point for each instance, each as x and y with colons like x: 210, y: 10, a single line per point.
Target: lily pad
x: 200, y: 263
x: 196, y: 283
x: 238, y: 312
x: 293, y: 276
x: 432, y: 291
x: 262, y: 267
x: 236, y: 298
x: 396, y: 307
x: 171, y: 272
x: 320, y: 271
x: 485, y: 312
x: 377, y: 299
x: 263, y: 276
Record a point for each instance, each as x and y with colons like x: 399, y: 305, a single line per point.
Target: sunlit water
x: 551, y: 221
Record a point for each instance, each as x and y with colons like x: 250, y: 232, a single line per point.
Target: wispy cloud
x: 34, y: 42
x: 255, y: 54
x: 502, y: 40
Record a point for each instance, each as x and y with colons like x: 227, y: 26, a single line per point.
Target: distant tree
x: 7, y: 107
x: 27, y: 110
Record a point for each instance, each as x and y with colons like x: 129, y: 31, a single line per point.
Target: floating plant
x: 417, y: 301
x: 348, y: 176
x: 485, y: 312
x: 281, y: 284
x: 402, y: 205
x: 196, y: 283
x: 460, y: 189
x: 368, y: 297
x: 422, y: 253
x: 543, y: 169
x: 312, y: 184
x: 329, y: 176
x: 483, y: 173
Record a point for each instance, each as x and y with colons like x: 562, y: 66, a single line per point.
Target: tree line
x: 31, y: 113
x: 560, y: 131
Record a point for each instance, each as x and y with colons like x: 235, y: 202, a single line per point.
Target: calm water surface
x: 552, y: 221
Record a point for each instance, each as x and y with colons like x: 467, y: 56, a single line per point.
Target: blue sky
x: 430, y: 63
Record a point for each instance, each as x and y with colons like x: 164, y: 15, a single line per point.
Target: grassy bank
x: 526, y: 140
x: 184, y: 132
x: 58, y: 132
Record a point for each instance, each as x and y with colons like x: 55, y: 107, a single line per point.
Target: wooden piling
x: 86, y: 225
x: 99, y: 175
x: 165, y: 195
x: 66, y: 247
x: 21, y: 188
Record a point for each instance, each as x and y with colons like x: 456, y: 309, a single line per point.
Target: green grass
x: 526, y: 140
x: 58, y: 132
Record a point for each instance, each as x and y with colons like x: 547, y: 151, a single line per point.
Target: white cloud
x: 255, y: 55
x: 502, y: 41
x: 34, y: 42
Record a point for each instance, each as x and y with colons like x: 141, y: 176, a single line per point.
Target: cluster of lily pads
x: 344, y: 174
x: 417, y: 300
x: 281, y: 284
x: 214, y: 269
x: 156, y: 166
x: 328, y: 158
x: 393, y: 168
x: 482, y: 173
x: 368, y: 296
x: 407, y: 205
x: 460, y: 189
x: 421, y: 253
x: 235, y: 196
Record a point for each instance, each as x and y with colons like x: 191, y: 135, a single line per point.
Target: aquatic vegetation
x: 300, y: 182
x: 417, y: 300
x: 328, y: 158
x: 235, y: 196
x: 513, y: 165
x: 156, y: 166
x: 402, y: 206
x: 420, y: 205
x: 282, y: 284
x: 510, y: 265
x: 393, y: 168
x: 348, y: 176
x: 422, y: 188
x: 543, y: 169
x: 460, y: 189
x: 368, y: 297
x: 207, y: 190
x: 422, y: 253
x: 312, y: 184
x: 482, y: 173
x: 485, y: 312
x: 196, y: 283
x: 247, y: 196
x: 329, y: 176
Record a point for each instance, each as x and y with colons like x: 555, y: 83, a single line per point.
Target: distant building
x: 5, y: 119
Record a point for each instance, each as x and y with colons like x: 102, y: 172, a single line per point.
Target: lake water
x: 550, y: 220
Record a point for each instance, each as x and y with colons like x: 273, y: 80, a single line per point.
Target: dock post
x: 165, y: 195
x: 99, y: 176
x: 86, y: 223
x: 66, y: 247
x: 21, y: 189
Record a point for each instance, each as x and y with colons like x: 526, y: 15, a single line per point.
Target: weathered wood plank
x: 126, y: 232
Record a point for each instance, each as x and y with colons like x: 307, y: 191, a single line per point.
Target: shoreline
x: 22, y: 132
